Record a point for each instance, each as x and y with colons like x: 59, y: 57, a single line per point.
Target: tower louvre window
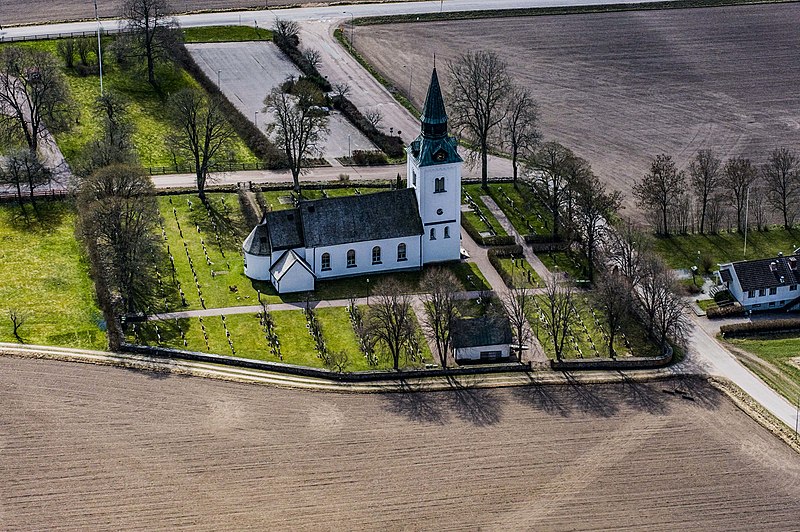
x: 438, y: 185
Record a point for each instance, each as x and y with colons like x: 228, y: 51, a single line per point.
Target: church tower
x: 434, y: 172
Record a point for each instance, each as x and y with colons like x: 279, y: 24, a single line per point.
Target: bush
x: 730, y: 311
x: 262, y: 202
x: 760, y: 327
x: 723, y: 296
x: 706, y: 262
x: 368, y: 158
x: 495, y: 240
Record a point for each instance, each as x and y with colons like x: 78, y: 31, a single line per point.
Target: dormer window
x: 439, y: 156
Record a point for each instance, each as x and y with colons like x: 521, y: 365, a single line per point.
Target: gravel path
x: 106, y: 448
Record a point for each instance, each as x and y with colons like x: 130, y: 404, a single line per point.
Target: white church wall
x: 441, y: 249
x: 364, y: 265
x: 257, y: 266
x: 297, y: 279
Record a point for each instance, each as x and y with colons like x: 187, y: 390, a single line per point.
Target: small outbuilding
x: 483, y: 339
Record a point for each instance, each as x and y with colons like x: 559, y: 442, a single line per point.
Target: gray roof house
x: 764, y: 284
x: 482, y: 339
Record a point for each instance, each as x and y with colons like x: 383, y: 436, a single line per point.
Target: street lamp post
x: 367, y: 291
x: 255, y: 118
x: 352, y: 28
x: 219, y: 86
x: 99, y: 48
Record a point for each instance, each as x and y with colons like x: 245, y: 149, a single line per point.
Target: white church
x: 372, y: 233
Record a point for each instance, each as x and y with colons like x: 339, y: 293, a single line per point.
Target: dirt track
x: 620, y: 88
x: 97, y: 447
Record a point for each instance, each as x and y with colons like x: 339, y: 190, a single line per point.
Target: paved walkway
x: 538, y: 266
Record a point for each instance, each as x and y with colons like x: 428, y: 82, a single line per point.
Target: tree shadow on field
x: 413, y: 402
x: 590, y: 399
x: 481, y: 407
x: 544, y: 397
x: 695, y: 390
x: 643, y: 396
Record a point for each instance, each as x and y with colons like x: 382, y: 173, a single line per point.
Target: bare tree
x: 739, y: 174
x: 115, y: 144
x: 152, y: 30
x: 374, y: 117
x: 202, y: 130
x: 286, y: 31
x: 782, y: 181
x: 480, y: 85
x: 24, y: 169
x: 336, y: 360
x: 441, y: 310
x: 390, y: 321
x: 33, y: 92
x: 519, y: 129
x: 18, y: 319
x: 300, y: 125
x: 517, y: 303
x: 552, y: 165
x: 341, y: 90
x: 705, y: 173
x: 84, y: 45
x: 66, y: 49
x: 656, y: 282
x: 117, y: 216
x: 312, y: 57
x: 661, y: 189
x: 559, y: 299
x: 627, y: 250
x: 671, y: 321
x: 614, y: 296
x: 595, y: 207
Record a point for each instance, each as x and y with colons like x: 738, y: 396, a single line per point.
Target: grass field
x: 200, y: 451
x: 145, y: 107
x: 520, y: 271
x: 680, y: 251
x: 779, y: 352
x: 44, y: 275
x: 486, y: 224
x: 525, y: 212
x: 567, y: 262
x: 225, y: 34
x: 619, y: 88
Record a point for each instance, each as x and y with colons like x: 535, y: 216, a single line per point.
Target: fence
x: 614, y: 363
x: 60, y: 35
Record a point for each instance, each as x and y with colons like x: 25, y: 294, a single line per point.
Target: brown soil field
x: 21, y: 11
x: 620, y: 88
x: 106, y: 448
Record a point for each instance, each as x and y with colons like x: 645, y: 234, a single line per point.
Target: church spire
x: 434, y: 117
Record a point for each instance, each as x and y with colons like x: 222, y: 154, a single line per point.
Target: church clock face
x: 439, y: 212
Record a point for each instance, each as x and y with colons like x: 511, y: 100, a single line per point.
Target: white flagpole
x: 746, y: 212
x: 99, y: 48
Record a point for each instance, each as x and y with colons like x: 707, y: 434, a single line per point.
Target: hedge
x: 494, y: 240
x: 291, y: 47
x: 759, y: 327
x: 253, y: 137
x: 368, y: 158
x: 249, y: 213
x: 390, y: 145
x: 729, y: 311
x: 496, y: 253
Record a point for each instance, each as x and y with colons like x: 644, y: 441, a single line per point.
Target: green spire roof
x: 434, y: 117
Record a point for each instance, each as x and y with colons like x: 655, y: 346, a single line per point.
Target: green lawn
x: 681, y: 251
x: 520, y: 270
x: 777, y: 350
x: 471, y: 217
x: 567, y: 262
x: 706, y: 304
x: 585, y: 339
x: 340, y: 336
x: 280, y: 199
x: 145, y: 107
x: 226, y: 34
x: 45, y: 276
x: 525, y: 212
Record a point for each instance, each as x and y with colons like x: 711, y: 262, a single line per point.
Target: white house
x: 764, y: 284
x: 370, y: 233
x: 481, y: 339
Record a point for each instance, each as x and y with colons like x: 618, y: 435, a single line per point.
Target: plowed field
x: 105, y: 448
x: 620, y: 88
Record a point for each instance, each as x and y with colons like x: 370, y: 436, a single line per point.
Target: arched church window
x: 351, y: 258
x: 376, y: 255
x: 438, y: 185
x: 326, y: 261
x: 433, y: 233
x: 446, y: 232
x: 401, y: 252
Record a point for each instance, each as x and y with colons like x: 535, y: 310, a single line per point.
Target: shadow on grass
x: 42, y: 217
